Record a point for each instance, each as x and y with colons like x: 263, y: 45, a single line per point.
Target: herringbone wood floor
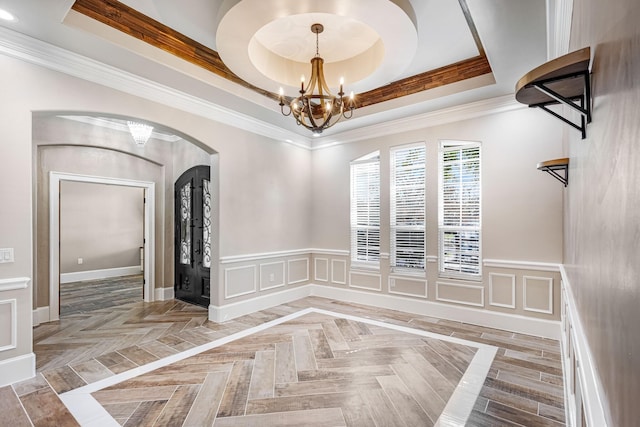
x: 524, y: 385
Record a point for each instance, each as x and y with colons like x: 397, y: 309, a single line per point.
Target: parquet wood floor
x: 90, y: 295
x: 313, y: 371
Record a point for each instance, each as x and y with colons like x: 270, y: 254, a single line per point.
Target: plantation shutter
x: 459, y: 216
x: 365, y: 211
x: 408, y: 208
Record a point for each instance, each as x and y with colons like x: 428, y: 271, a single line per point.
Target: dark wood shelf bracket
x: 565, y: 80
x: 558, y: 168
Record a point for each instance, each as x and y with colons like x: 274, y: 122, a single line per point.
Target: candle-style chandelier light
x: 316, y: 108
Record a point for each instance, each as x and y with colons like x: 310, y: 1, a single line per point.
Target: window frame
x: 452, y: 145
x: 371, y: 158
x: 393, y: 211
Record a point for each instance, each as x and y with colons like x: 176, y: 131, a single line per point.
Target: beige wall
x: 521, y: 206
x: 602, y: 232
x: 102, y: 224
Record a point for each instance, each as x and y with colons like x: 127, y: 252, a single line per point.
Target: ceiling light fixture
x: 7, y: 16
x: 140, y: 132
x: 316, y: 108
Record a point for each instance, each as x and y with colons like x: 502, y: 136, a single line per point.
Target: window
x: 408, y: 208
x: 459, y: 209
x: 365, y: 210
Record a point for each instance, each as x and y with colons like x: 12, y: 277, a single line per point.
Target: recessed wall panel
x: 460, y: 293
x: 409, y: 287
x: 271, y: 275
x: 502, y: 290
x: 239, y: 281
x: 8, y: 324
x: 339, y: 271
x: 537, y: 294
x: 370, y: 281
x: 298, y: 270
x: 321, y: 269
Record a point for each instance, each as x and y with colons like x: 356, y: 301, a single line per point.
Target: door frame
x: 54, y: 232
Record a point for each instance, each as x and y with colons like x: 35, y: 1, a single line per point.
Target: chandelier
x: 316, y: 108
x: 140, y: 132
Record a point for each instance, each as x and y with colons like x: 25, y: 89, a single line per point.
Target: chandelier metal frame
x: 317, y: 108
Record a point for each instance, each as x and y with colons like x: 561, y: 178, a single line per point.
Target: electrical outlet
x: 272, y: 277
x: 80, y: 261
x: 6, y: 255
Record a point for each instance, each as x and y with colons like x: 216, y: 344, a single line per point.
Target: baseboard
x: 164, y: 294
x: 492, y: 319
x: 17, y: 369
x: 585, y: 373
x: 99, y: 274
x: 227, y: 312
x: 40, y: 315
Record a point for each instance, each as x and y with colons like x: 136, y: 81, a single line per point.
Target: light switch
x: 6, y: 255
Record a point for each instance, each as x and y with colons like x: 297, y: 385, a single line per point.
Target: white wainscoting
x: 578, y: 365
x: 298, y: 270
x: 402, y: 285
x: 339, y: 271
x: 363, y: 280
x: 272, y: 275
x: 544, y: 289
x: 8, y: 324
x: 472, y: 291
x: 240, y: 281
x: 500, y: 283
x: 321, y: 269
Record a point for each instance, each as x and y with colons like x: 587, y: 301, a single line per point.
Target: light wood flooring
x: 90, y: 295
x: 314, y: 370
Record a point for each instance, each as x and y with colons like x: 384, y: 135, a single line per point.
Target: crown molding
x: 422, y: 121
x: 34, y: 51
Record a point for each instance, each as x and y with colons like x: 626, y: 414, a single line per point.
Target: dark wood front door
x: 193, y: 236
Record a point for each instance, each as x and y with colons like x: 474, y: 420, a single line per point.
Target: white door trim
x: 54, y: 232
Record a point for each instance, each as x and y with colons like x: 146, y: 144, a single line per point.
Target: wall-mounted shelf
x: 564, y: 80
x: 555, y: 168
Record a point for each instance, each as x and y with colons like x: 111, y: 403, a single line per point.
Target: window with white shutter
x: 365, y: 210
x: 407, y: 198
x: 459, y: 216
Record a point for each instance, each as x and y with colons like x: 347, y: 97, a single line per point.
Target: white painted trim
x: 13, y: 310
x: 362, y: 273
x: 460, y: 285
x: 46, y: 55
x: 549, y: 281
x: 521, y: 265
x: 14, y: 283
x: 54, y: 231
x: 233, y: 310
x: 513, y: 290
x: 344, y: 271
x: 411, y: 279
x: 164, y: 294
x: 590, y: 386
x: 422, y: 121
x: 40, y: 315
x: 290, y: 282
x: 278, y: 285
x: 226, y: 281
x: 17, y: 369
x: 265, y: 255
x: 315, y: 269
x: 334, y: 252
x: 105, y: 273
x: 492, y: 319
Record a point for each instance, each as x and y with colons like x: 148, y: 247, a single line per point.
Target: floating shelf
x: 564, y: 80
x: 554, y: 167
